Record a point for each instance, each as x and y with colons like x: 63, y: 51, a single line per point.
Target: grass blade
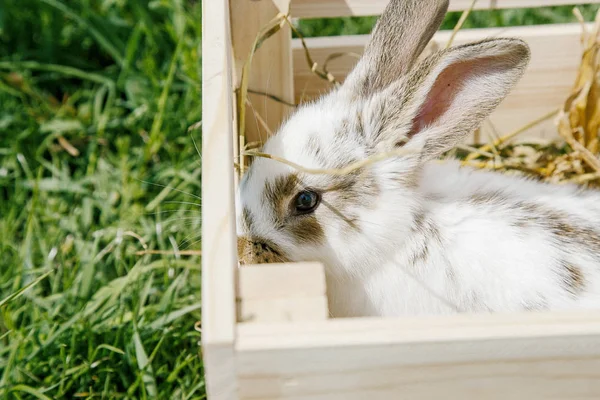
x: 20, y: 292
x: 34, y: 392
x: 104, y: 42
x: 144, y: 365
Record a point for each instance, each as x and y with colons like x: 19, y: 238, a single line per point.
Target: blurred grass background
x: 477, y: 19
x: 100, y: 106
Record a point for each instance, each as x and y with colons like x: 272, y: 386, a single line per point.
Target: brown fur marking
x: 575, y: 234
x: 574, y: 278
x: 278, y: 192
x: 307, y: 230
x: 492, y: 197
x: 561, y: 225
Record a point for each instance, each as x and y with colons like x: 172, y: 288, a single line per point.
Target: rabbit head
x: 391, y: 100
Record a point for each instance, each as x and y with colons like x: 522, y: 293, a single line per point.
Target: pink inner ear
x: 447, y: 86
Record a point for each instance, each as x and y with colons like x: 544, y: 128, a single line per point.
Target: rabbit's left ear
x: 398, y: 39
x: 446, y: 97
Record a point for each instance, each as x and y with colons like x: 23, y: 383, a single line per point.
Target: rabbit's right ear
x: 398, y: 38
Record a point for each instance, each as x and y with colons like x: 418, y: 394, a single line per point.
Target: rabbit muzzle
x: 258, y: 251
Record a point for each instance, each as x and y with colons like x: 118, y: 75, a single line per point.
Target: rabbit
x: 414, y: 235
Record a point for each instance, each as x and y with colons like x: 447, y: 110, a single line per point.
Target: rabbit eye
x: 306, y: 202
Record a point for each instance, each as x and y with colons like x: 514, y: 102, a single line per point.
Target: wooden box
x: 265, y: 329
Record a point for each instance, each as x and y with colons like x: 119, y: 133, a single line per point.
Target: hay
x: 574, y: 157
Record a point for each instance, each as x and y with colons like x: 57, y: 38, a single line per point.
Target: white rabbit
x: 411, y: 235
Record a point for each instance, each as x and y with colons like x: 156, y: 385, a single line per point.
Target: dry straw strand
x: 169, y: 253
x: 271, y: 28
x: 314, y: 67
x: 460, y: 23
x: 513, y: 134
x: 335, y: 171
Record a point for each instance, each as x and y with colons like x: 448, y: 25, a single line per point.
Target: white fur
x: 369, y: 273
x: 505, y: 267
x: 479, y: 259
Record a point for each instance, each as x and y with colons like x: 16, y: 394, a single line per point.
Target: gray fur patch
x: 426, y: 232
x: 349, y: 193
x: 421, y: 255
x: 565, y: 229
x: 247, y: 219
x: 395, y: 46
x: 424, y: 226
x: 537, y: 304
x: 315, y: 149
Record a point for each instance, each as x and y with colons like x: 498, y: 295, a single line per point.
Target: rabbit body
x: 484, y: 242
x: 409, y: 235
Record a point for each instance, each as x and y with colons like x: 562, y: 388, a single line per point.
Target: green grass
x: 83, y: 315
x: 477, y: 19
x: 120, y: 82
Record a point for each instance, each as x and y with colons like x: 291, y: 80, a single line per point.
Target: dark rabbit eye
x: 306, y: 202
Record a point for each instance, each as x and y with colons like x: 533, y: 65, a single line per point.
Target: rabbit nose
x: 258, y: 251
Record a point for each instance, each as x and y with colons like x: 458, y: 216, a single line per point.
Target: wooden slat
x: 346, y: 8
x: 271, y: 69
x: 556, y: 55
x: 524, y: 356
x: 269, y: 281
x: 282, y: 292
x: 218, y: 233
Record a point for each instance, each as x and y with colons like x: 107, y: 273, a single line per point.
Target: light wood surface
x: 344, y: 8
x: 288, y: 348
x: 523, y: 356
x: 271, y: 68
x: 282, y: 292
x: 218, y: 234
x: 556, y: 55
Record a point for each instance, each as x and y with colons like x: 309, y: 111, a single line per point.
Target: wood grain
x: 270, y: 281
x: 346, y: 8
x: 282, y: 292
x: 290, y: 350
x: 271, y: 68
x: 218, y: 234
x: 522, y: 356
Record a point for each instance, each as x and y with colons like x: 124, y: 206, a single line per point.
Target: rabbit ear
x: 446, y: 97
x: 398, y: 38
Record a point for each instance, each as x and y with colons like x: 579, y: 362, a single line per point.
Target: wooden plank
x: 298, y: 309
x: 271, y: 68
x: 219, y: 257
x: 520, y: 356
x: 556, y: 55
x: 282, y: 292
x: 269, y: 281
x: 346, y: 8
